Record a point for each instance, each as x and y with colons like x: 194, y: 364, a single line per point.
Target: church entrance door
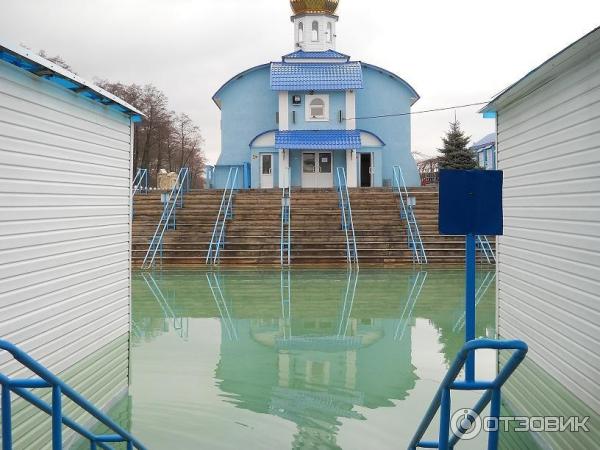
x: 317, y: 169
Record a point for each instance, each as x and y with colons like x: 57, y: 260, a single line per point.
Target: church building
x: 294, y: 122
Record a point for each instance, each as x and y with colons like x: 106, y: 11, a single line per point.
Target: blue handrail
x: 285, y: 246
x: 140, y: 182
x: 441, y: 400
x: 347, y: 221
x: 484, y: 245
x: 175, y: 200
x: 59, y: 388
x: 415, y: 243
x: 217, y: 239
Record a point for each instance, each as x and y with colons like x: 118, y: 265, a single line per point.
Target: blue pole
x: 6, y: 419
x: 444, y: 420
x: 56, y: 418
x: 493, y: 436
x: 470, y: 304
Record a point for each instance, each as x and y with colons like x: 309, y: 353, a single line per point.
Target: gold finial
x: 314, y: 6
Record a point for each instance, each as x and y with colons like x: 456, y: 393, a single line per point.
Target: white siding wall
x: 65, y: 171
x: 549, y: 256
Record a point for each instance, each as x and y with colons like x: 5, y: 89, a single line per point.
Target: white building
x: 548, y: 134
x: 65, y: 228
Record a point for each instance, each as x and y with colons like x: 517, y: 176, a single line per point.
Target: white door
x: 266, y: 170
x: 325, y: 170
x: 317, y: 169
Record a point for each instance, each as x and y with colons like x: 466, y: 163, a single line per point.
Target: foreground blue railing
x: 217, y: 239
x: 285, y: 246
x: 347, y: 221
x: 174, y: 200
x: 415, y: 243
x: 46, y: 379
x: 442, y: 401
x: 483, y: 244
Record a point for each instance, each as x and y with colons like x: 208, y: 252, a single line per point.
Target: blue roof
x: 316, y: 76
x: 318, y: 139
x: 327, y: 54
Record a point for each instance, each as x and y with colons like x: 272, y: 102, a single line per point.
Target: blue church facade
x: 295, y: 121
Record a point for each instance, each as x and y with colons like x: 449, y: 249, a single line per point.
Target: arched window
x: 317, y: 108
x: 329, y: 32
x: 300, y: 32
x: 315, y: 31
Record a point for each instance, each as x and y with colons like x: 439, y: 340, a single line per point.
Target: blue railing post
x: 56, y: 418
x: 493, y: 437
x: 6, y: 418
x: 470, y: 304
x: 444, y: 419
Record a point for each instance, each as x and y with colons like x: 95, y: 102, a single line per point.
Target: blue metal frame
x: 217, y: 239
x: 47, y: 379
x: 285, y: 246
x: 175, y: 200
x: 415, y: 243
x: 442, y: 399
x: 347, y: 222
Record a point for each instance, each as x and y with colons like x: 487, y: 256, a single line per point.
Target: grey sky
x: 450, y: 52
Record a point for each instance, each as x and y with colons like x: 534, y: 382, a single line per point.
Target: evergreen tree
x: 456, y: 153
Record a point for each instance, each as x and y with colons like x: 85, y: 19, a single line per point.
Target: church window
x: 317, y: 107
x: 300, y: 32
x: 329, y: 32
x: 315, y: 31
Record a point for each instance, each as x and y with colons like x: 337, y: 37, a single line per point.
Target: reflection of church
x: 312, y: 369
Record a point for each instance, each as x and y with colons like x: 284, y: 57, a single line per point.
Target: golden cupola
x: 314, y: 6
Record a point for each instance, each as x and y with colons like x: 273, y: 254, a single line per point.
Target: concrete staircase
x: 253, y: 234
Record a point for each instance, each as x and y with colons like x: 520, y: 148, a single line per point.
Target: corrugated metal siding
x: 65, y: 171
x: 549, y: 264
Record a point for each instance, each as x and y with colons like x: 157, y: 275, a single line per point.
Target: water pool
x: 307, y: 359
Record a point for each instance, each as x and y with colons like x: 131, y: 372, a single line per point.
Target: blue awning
x: 316, y: 76
x: 318, y: 139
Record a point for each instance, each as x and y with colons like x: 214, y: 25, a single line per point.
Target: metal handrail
x: 484, y: 245
x: 215, y: 247
x: 414, y: 235
x: 286, y: 220
x: 59, y: 388
x: 172, y: 202
x: 347, y: 220
x: 140, y: 182
x: 441, y: 400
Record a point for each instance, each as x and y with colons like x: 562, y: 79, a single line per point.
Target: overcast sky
x: 451, y: 52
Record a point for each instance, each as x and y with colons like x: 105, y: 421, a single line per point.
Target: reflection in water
x: 314, y: 370
x: 307, y: 355
x: 488, y: 278
x: 170, y: 317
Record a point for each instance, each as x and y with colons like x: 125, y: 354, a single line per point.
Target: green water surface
x: 307, y: 359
